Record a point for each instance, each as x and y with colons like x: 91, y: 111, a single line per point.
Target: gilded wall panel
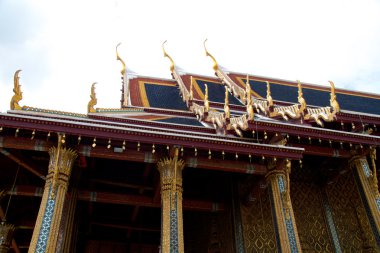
x: 309, y: 212
x: 257, y: 223
x: 352, y: 225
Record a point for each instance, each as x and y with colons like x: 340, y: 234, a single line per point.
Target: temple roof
x: 221, y: 113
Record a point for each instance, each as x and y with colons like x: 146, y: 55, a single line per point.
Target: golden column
x: 366, y: 180
x: 49, y: 220
x: 285, y: 226
x: 171, y: 200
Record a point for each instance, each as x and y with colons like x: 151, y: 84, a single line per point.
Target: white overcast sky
x: 64, y: 46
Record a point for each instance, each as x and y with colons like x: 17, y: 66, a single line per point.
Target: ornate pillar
x: 49, y: 221
x: 171, y: 200
x: 283, y: 217
x: 366, y: 181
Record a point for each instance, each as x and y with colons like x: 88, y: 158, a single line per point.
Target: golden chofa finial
x: 205, y: 101
x: 215, y: 66
x: 17, y: 97
x: 269, y: 96
x: 249, y: 100
x: 333, y: 101
x: 121, y: 60
x: 172, y: 66
x: 93, y: 101
x: 226, y: 105
x: 301, y: 100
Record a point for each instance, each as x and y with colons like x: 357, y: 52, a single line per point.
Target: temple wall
x: 258, y: 231
x: 309, y: 212
x: 349, y: 216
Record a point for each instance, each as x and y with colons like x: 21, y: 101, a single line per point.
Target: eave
x: 146, y: 134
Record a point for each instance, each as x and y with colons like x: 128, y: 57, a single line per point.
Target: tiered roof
x: 232, y: 112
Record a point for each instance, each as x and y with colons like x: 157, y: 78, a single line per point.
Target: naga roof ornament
x: 269, y: 96
x: 227, y: 113
x: 93, y: 101
x: 17, y: 96
x: 301, y: 99
x: 191, y: 88
x: 333, y: 101
x: 250, y: 111
x: 206, y: 102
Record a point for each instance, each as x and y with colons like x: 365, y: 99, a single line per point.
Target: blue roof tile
x: 163, y: 96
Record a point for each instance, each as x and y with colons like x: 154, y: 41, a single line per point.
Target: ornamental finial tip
x: 172, y: 65
x: 215, y: 66
x: 121, y: 60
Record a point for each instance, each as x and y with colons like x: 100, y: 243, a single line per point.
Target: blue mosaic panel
x: 174, y: 227
x: 365, y: 166
x: 281, y: 184
x: 378, y: 203
x: 288, y: 222
x: 331, y: 224
x: 45, y: 227
x: 291, y: 234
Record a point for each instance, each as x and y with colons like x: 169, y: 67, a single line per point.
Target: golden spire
x: 226, y: 106
x: 172, y: 66
x: 191, y: 88
x: 93, y: 100
x: 121, y: 60
x: 269, y: 97
x: 215, y: 66
x: 249, y: 100
x: 206, y: 102
x: 301, y: 100
x: 333, y: 101
x: 17, y: 92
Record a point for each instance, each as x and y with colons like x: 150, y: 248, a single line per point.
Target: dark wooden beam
x: 124, y: 185
x: 122, y: 199
x: 22, y: 161
x: 126, y: 227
